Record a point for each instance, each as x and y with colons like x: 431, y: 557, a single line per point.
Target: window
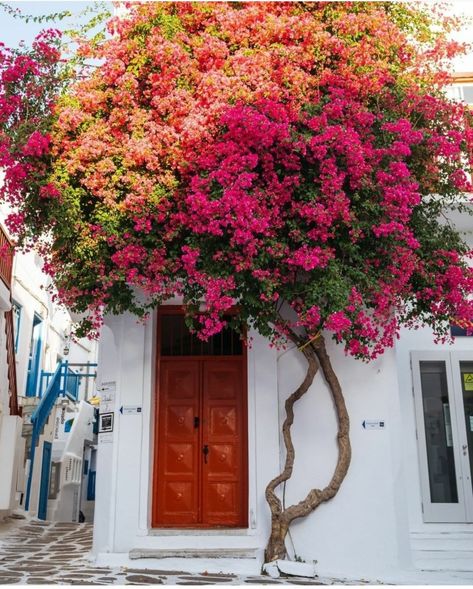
x: 16, y: 308
x: 461, y: 329
x: 54, y: 480
x: 177, y: 340
x: 462, y: 90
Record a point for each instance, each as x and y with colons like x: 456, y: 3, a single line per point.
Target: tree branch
x: 271, y: 497
x: 317, y: 496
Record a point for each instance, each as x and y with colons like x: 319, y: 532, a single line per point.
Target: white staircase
x: 443, y: 551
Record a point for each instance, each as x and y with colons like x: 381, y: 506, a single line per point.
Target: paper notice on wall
x: 105, y: 438
x: 107, y: 393
x: 468, y: 381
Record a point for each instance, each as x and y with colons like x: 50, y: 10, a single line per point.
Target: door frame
x: 461, y: 512
x: 180, y: 310
x: 44, y: 481
x: 36, y: 350
x: 463, y: 447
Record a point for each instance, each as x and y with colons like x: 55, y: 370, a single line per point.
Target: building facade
x: 54, y: 375
x: 11, y: 443
x: 190, y: 435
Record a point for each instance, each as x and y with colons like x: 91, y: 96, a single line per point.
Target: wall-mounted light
x: 67, y: 344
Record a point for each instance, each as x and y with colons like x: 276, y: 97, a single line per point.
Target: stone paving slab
x: 34, y: 552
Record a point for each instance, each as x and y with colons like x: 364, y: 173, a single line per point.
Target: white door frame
x: 443, y: 512
x: 457, y: 358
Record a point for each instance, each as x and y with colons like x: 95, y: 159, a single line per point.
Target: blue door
x: 44, y: 488
x: 35, y: 357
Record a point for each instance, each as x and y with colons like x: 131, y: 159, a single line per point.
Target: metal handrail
x: 39, y: 418
x: 57, y: 384
x: 71, y: 381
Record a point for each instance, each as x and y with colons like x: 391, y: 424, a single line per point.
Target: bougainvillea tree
x: 293, y: 159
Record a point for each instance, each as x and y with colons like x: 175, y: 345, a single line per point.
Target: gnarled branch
x: 281, y: 518
x: 271, y: 497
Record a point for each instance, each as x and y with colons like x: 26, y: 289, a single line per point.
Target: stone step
x: 442, y: 541
x: 26, y: 430
x: 138, y: 553
x: 192, y: 560
x: 444, y: 560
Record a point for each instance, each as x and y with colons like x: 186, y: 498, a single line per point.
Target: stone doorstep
x: 208, y: 579
x: 137, y: 553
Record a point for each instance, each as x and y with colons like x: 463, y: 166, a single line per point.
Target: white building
x: 43, y: 343
x: 40, y: 346
x: 42, y: 328
x: 189, y: 440
x: 11, y: 443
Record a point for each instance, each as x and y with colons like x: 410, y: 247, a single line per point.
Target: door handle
x: 205, y: 451
x: 464, y: 448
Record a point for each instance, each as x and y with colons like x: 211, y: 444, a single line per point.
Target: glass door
x: 462, y: 366
x: 441, y: 438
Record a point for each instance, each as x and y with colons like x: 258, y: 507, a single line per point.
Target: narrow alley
x: 39, y: 552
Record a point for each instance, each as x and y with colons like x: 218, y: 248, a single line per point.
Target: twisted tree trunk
x: 281, y: 517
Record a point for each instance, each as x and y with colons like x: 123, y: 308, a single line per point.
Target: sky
x: 13, y: 30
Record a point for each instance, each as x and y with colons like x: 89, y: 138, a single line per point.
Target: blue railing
x: 70, y: 380
x: 62, y: 382
x: 38, y: 419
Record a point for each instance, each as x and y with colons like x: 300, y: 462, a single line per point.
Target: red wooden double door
x: 201, y: 467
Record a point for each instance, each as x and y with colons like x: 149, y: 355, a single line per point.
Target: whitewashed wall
x: 11, y: 444
x: 11, y: 456
x: 363, y: 530
x: 29, y: 291
x: 4, y: 384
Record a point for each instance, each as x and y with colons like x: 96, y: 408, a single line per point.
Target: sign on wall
x: 105, y: 423
x: 374, y: 424
x: 107, y: 392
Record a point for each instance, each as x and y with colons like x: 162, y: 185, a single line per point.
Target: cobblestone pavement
x: 35, y: 552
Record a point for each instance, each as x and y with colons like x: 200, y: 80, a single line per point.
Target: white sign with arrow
x: 374, y: 424
x: 130, y: 409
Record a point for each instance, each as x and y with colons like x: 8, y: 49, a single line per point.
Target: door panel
x: 44, y: 485
x: 201, y: 443
x: 178, y: 443
x: 462, y: 367
x: 34, y: 358
x: 223, y: 475
x: 438, y: 431
x: 466, y: 373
